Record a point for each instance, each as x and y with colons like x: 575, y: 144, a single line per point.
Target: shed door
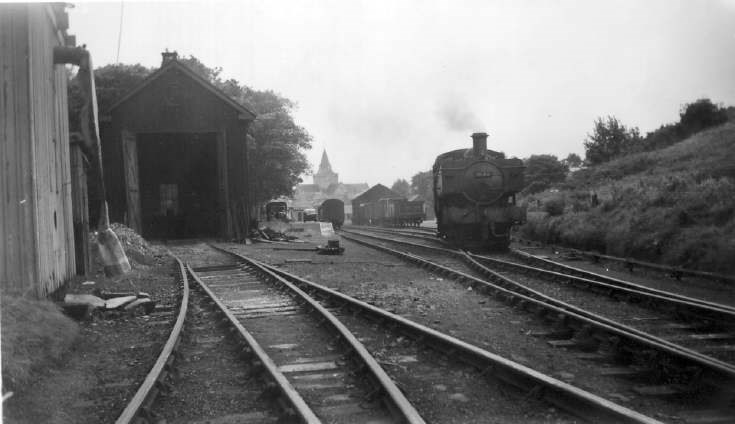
x: 132, y: 191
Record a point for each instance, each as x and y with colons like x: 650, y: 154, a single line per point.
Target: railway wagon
x: 411, y: 213
x: 397, y: 212
x: 475, y: 195
x: 332, y: 210
x: 394, y: 212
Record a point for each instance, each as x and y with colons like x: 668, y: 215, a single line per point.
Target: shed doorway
x: 178, y: 185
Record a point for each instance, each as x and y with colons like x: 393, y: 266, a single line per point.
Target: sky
x: 386, y: 86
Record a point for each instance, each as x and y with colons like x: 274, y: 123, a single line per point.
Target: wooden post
x: 80, y: 209
x: 132, y: 189
x: 223, y: 170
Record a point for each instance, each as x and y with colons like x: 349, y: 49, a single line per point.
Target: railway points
x: 677, y: 344
x: 556, y: 392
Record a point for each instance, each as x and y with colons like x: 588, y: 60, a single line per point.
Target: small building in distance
x: 326, y: 186
x: 175, y: 157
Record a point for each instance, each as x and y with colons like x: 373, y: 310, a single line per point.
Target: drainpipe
x: 111, y: 251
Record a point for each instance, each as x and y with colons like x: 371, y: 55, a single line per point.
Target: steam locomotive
x: 475, y: 196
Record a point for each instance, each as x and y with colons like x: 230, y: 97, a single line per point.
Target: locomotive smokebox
x: 479, y: 144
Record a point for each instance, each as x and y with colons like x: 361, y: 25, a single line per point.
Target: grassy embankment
x: 35, y: 336
x: 674, y: 206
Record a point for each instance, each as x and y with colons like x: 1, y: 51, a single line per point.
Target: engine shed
x: 175, y: 157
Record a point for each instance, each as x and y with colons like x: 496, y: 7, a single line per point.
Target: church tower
x: 325, y: 176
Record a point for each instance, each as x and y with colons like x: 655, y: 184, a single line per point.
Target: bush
x: 554, y: 206
x: 700, y: 115
x: 665, y: 136
x: 535, y: 187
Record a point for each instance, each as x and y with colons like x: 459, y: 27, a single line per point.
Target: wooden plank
x: 307, y: 367
x: 17, y: 268
x: 132, y: 186
x: 80, y: 210
x: 62, y: 122
x: 224, y: 195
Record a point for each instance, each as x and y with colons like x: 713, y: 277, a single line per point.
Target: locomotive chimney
x: 479, y: 144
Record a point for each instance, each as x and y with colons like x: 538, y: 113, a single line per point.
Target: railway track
x: 308, y: 367
x: 536, y: 261
x: 566, y: 397
x: 677, y: 369
x: 414, y: 233
x: 676, y: 273
x: 685, y: 306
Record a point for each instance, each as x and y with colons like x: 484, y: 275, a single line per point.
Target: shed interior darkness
x: 178, y: 184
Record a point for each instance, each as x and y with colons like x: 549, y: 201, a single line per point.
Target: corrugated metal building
x: 175, y: 157
x: 37, y: 249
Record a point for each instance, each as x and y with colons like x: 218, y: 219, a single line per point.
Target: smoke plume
x: 457, y: 115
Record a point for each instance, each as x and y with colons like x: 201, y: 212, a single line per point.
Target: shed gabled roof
x: 245, y: 113
x: 378, y: 191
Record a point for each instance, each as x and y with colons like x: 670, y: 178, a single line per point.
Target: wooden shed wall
x: 174, y: 103
x: 36, y: 222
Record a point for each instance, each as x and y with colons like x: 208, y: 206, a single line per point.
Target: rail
x: 144, y: 397
x: 630, y: 264
x: 563, y: 395
x: 296, y: 405
x: 395, y: 397
x: 717, y: 372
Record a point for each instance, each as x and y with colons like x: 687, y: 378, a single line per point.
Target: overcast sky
x: 385, y: 86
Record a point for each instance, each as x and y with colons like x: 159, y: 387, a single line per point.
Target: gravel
x: 444, y: 305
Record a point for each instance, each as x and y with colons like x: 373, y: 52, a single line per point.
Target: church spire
x: 324, y: 166
x: 325, y: 176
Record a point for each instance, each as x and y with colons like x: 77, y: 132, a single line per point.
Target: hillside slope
x: 675, y: 205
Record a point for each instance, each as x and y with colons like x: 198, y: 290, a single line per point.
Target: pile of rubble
x: 136, y: 247
x: 103, y: 303
x: 270, y: 234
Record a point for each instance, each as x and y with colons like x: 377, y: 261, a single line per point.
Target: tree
x: 111, y: 83
x: 542, y: 171
x: 572, y: 161
x: 609, y: 139
x: 401, y: 187
x: 423, y: 184
x: 276, y: 160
